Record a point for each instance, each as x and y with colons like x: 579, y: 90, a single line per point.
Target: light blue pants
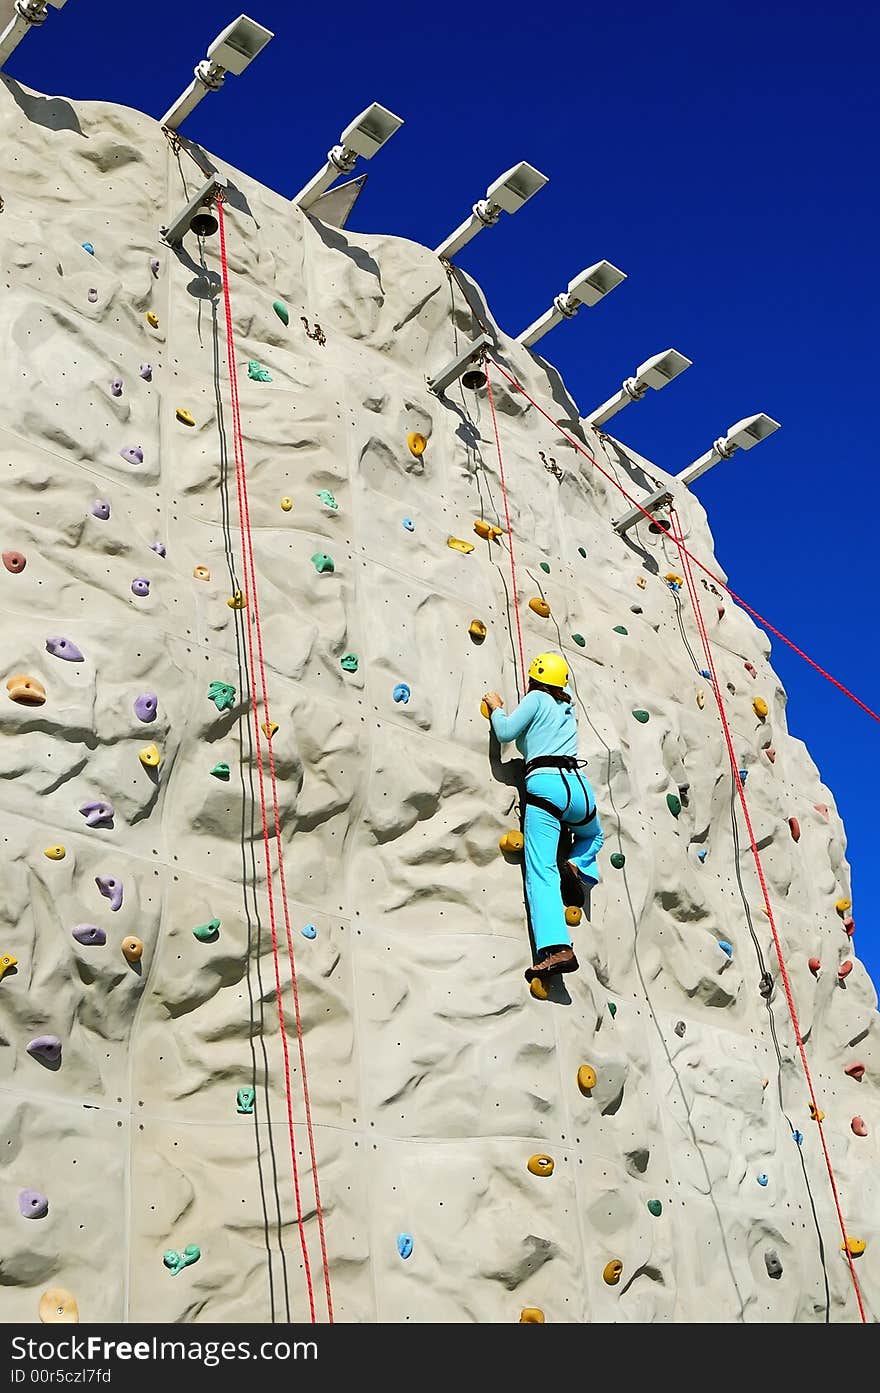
x: 542, y: 840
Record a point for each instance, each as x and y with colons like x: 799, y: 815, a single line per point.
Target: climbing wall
x: 160, y: 1154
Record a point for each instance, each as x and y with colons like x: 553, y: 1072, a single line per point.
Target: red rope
x: 522, y: 660
x: 716, y: 687
x: 732, y: 593
x: 250, y: 579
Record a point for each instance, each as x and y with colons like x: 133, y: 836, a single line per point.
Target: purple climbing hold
x: 32, y: 1204
x: 158, y: 548
x: 89, y: 935
x: 97, y: 812
x: 101, y: 509
x: 134, y: 454
x: 111, y: 889
x: 63, y: 648
x: 45, y: 1047
x: 145, y: 707
x: 146, y: 371
x: 140, y: 586
x: 116, y: 387
x: 154, y: 265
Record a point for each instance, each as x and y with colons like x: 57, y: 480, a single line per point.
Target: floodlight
x: 655, y: 372
x: 748, y: 432
x: 465, y: 366
x: 588, y: 288
x: 198, y: 215
x: 231, y: 51
x: 365, y: 136
x: 507, y: 195
x: 27, y: 15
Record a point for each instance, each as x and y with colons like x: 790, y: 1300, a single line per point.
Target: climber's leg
x: 588, y: 840
x: 542, y: 875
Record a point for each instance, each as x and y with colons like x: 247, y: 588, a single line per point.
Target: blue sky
x: 724, y: 156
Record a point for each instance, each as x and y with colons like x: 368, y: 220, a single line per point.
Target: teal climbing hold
x: 612, y: 1009
x: 222, y: 695
x: 282, y: 311
x: 618, y: 860
x: 545, y: 567
x: 322, y: 562
x: 579, y: 640
x: 309, y: 931
x: 328, y: 500
x: 581, y: 551
x: 244, y: 1100
x: 642, y: 717
x: 673, y: 803
x: 257, y: 373
x: 221, y: 771
x: 207, y: 933
x: 176, y: 1262
x: 619, y: 629
x: 655, y: 1207
x: 349, y: 661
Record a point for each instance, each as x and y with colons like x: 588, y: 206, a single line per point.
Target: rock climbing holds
x: 484, y: 710
x: 618, y: 860
x: 101, y: 509
x: 641, y: 582
x: 92, y: 296
x: 152, y: 319
x: 176, y: 1262
x: 612, y: 1271
x: 814, y: 964
x: 201, y: 573
x: 111, y: 889
x: 146, y: 371
x: 586, y: 1078
x: 579, y: 640
x: 328, y: 500
x: 55, y: 853
x: 581, y: 551
x: 14, y: 561
x: 207, y: 933
x: 282, y: 311
x: 458, y: 545
x: 409, y: 524
x: 849, y: 927
x: 487, y: 531
x: 477, y: 630
x: 150, y: 756
x: 133, y: 454
x: 842, y: 905
x: 27, y: 690
x: 642, y: 717
x: 97, y: 812
x: 416, y: 443
x: 269, y: 728
x: 245, y: 1099
x: 154, y: 265
x: 773, y: 1264
x: 655, y: 1207
x: 349, y: 661
x: 619, y: 629
x: 309, y: 931
x: 702, y: 853
x: 146, y: 706
x: 680, y: 1029
x: 257, y: 373
x: 750, y: 669
x: 322, y: 562
x: 116, y: 387
x: 158, y: 548
x: 238, y: 600
x: 221, y: 771
x: 701, y: 698
x: 855, y: 1071
x: 612, y: 1009
x: 404, y: 1244
x: 286, y: 504
x: 58, y: 1307
x: 855, y: 1246
x: 797, y: 1137
x: 185, y: 417
x: 222, y: 695
x: 46, y: 1048
x: 64, y: 648
x: 763, y: 1179
x: 512, y: 843
x: 743, y: 775
x: 132, y: 949
x: 816, y: 1114
x: 545, y: 567
x: 822, y: 810
x: 636, y: 609
x: 540, y: 1165
x: 32, y: 1205
x: 859, y: 1127
x: 573, y: 915
x: 844, y: 970
x: 760, y: 708
x: 725, y: 947
x: 673, y: 581
x: 539, y: 606
x: 402, y: 693
x: 89, y: 935
x: 140, y: 586
x: 673, y: 803
x: 531, y: 1315
x: 794, y: 828
x: 87, y: 247
x: 539, y: 989
x: 7, y: 963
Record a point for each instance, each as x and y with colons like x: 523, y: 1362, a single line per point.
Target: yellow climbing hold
x: 6, y: 962
x: 760, y: 707
x: 238, y: 600
x: 541, y: 1165
x: 816, y: 1113
x: 150, y: 757
x: 477, y: 630
x: 286, y: 504
x: 55, y: 853
x: 152, y: 319
x: 611, y: 1272
x: 185, y: 416
x: 201, y: 573
x: 573, y: 915
x: 512, y: 842
x: 531, y: 1315
x: 701, y: 698
x: 540, y: 991
x: 856, y: 1247
x: 132, y: 949
x: 641, y: 582
x: 539, y: 606
x: 417, y: 443
x: 842, y: 905
x: 458, y: 545
x: 673, y: 579
x: 586, y: 1078
x: 58, y: 1307
x: 484, y: 710
x: 269, y: 728
x: 487, y: 531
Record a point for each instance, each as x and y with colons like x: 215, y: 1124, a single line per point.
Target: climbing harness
x: 565, y: 764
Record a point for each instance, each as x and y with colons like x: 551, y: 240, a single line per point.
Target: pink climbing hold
x: 14, y: 561
x: 814, y: 964
x: 794, y: 828
x: 771, y: 754
x: 849, y: 927
x: 750, y: 669
x: 844, y: 970
x: 855, y: 1071
x: 822, y: 808
x: 858, y: 1126
x: 133, y: 454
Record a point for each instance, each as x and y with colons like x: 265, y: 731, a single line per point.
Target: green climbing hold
x: 244, y: 1100
x: 221, y: 771
x: 257, y: 373
x: 328, y: 500
x: 612, y: 1009
x: 579, y: 640
x: 673, y: 803
x: 618, y: 860
x: 322, y: 562
x: 349, y: 661
x: 282, y: 311
x: 545, y: 567
x: 619, y: 629
x: 222, y: 695
x: 642, y: 716
x: 582, y: 551
x: 655, y: 1207
x: 207, y: 933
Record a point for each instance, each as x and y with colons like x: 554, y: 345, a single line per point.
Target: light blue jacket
x: 539, y: 725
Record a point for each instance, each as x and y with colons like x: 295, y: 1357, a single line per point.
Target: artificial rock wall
x: 433, y: 1074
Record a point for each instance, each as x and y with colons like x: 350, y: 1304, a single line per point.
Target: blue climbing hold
x: 743, y: 775
x: 409, y: 524
x: 798, y: 1137
x: 402, y: 693
x: 725, y: 947
x: 702, y: 853
x: 404, y: 1244
x: 707, y: 675
x: 763, y: 1178
x: 87, y: 247
x: 309, y: 931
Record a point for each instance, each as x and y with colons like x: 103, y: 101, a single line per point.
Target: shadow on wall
x: 233, y: 196
x: 335, y: 241
x: 52, y: 112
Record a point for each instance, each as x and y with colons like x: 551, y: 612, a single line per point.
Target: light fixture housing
x: 233, y: 50
x: 507, y: 194
x: 364, y: 136
x: 587, y: 288
x: 656, y: 372
x: 26, y: 15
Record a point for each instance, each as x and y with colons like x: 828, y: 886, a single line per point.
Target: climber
x: 558, y: 794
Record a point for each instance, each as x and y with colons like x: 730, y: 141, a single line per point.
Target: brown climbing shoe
x: 563, y: 961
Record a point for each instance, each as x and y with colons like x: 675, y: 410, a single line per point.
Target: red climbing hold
x: 858, y: 1126
x: 14, y: 561
x: 814, y: 964
x: 849, y: 927
x: 855, y: 1071
x: 795, y: 828
x: 844, y: 970
x: 750, y: 669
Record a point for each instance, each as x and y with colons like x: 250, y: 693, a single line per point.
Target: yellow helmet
x: 549, y: 668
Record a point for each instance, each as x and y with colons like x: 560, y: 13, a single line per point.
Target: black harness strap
x: 565, y: 764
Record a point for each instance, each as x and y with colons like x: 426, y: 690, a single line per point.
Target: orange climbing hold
x: 539, y: 989
x: 512, y: 842
x: 540, y: 1165
x: 201, y: 573
x: 816, y: 1113
x: 487, y: 531
x: 612, y: 1271
x: 539, y: 606
x: 794, y: 828
x: 477, y: 630
x: 417, y: 443
x: 531, y: 1315
x: 573, y: 915
x: 28, y: 690
x: 484, y: 710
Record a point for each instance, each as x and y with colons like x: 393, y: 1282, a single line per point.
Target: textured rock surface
x: 433, y: 1074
